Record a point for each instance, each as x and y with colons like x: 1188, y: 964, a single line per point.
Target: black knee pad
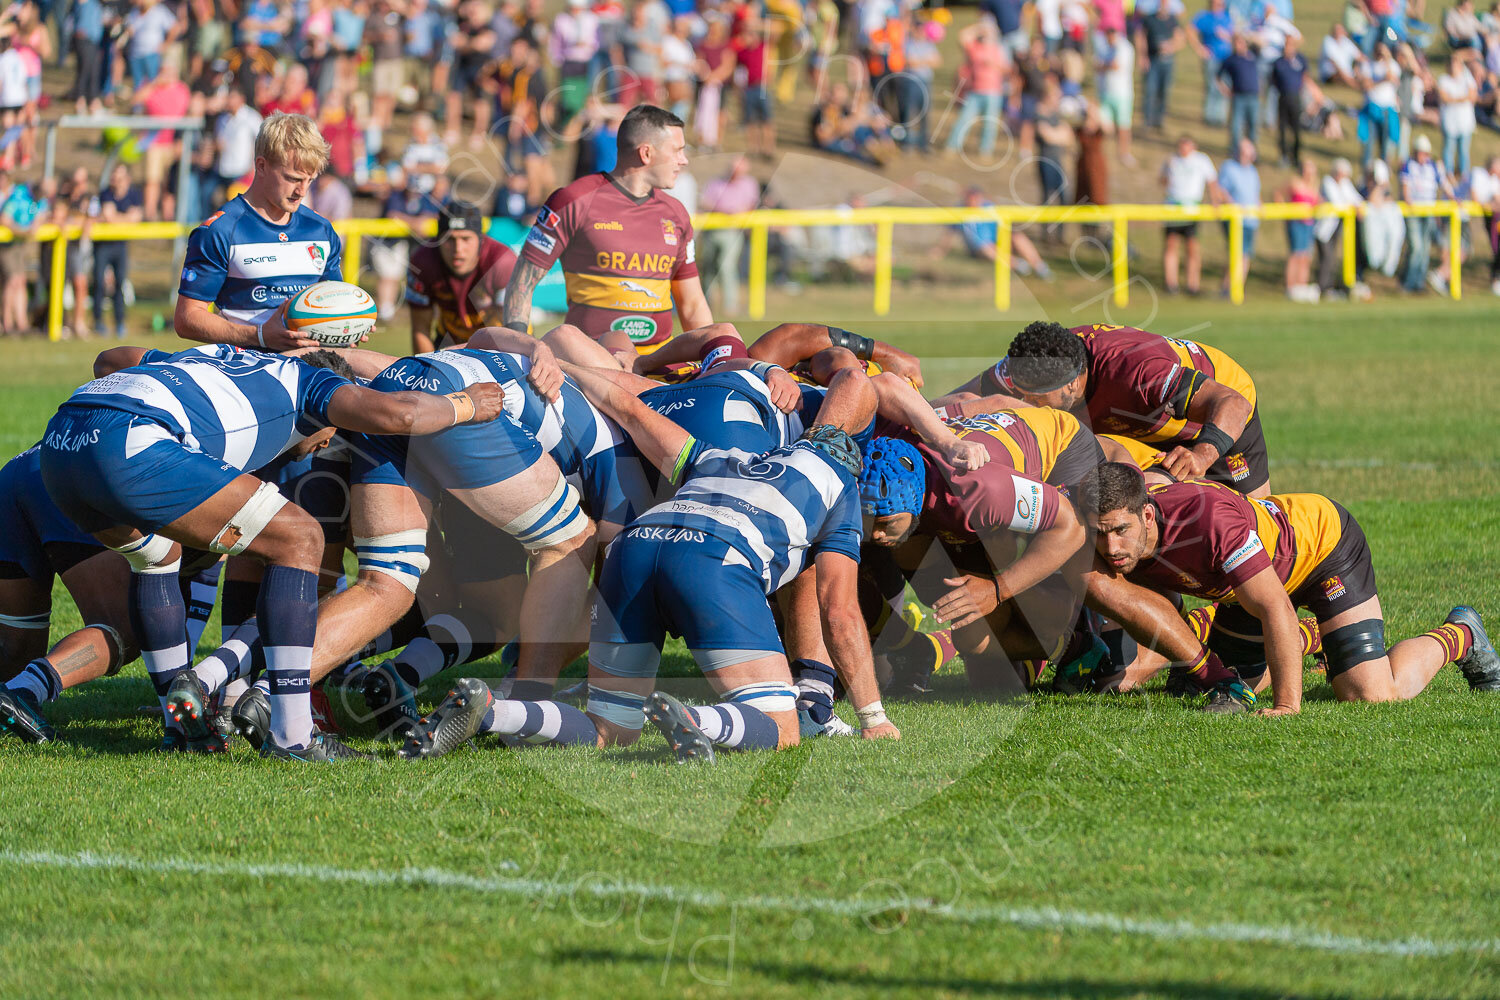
x: 1122, y: 648
x: 1348, y: 647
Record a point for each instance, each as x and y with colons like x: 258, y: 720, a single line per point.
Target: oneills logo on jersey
x: 668, y: 232
x: 613, y: 226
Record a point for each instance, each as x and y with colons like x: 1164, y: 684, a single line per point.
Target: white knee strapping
x: 148, y: 555
x: 246, y: 525
x: 768, y: 696
x: 41, y: 620
x: 551, y: 522
x: 401, y: 555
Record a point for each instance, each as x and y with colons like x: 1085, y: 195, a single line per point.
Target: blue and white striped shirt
x: 240, y: 406
x: 778, y: 511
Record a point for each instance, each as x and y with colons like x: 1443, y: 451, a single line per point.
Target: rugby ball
x: 334, y: 313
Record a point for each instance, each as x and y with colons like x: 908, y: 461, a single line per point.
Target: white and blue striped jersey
x: 585, y: 444
x: 777, y: 510
x: 733, y: 410
x: 242, y: 407
x: 246, y: 266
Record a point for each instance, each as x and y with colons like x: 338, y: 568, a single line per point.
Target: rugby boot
x: 172, y: 741
x: 251, y: 717
x: 1230, y: 698
x: 19, y: 715
x: 1082, y: 674
x: 322, y: 749
x: 392, y: 704
x: 1480, y: 665
x: 677, y: 724
x: 187, y: 704
x: 453, y: 723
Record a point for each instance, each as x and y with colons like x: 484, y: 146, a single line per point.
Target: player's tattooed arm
x: 899, y: 402
x: 1264, y: 596
x: 518, y: 294
x: 848, y: 641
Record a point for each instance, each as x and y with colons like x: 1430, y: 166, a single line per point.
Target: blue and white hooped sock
x: 540, y: 722
x: 37, y: 681
x: 738, y: 727
x: 201, y: 592
x: 159, y: 617
x: 242, y: 655
x: 288, y: 618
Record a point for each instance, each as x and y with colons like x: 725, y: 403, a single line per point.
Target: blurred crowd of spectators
x: 545, y: 89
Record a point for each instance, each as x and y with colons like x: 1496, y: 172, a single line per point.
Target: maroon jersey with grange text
x: 620, y: 255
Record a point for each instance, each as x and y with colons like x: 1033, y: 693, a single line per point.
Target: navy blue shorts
x: 36, y: 540
x: 660, y: 580
x: 104, y: 468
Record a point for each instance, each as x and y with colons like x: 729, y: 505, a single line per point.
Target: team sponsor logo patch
x: 282, y: 237
x: 318, y: 255
x: 669, y: 232
x: 1027, y: 513
x: 1238, y: 556
x: 1239, y: 469
x: 692, y: 252
x: 638, y: 328
x: 1333, y: 588
x: 546, y: 218
x: 634, y: 286
x: 189, y: 275
x: 540, y: 240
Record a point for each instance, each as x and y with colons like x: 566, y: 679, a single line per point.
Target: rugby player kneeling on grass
x: 155, y: 457
x: 704, y: 564
x: 1262, y: 559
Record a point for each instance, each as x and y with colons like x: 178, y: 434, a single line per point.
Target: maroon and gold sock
x: 1206, y: 673
x: 1455, y: 639
x: 1201, y: 620
x: 1312, y: 640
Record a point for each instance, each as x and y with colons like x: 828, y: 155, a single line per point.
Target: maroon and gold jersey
x: 465, y: 304
x: 1007, y: 493
x: 1213, y: 539
x: 620, y: 255
x: 1140, y: 384
x: 1041, y: 442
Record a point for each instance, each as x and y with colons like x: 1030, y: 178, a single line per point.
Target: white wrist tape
x: 871, y: 715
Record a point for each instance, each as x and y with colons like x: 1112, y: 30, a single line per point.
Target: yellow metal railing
x: 884, y: 220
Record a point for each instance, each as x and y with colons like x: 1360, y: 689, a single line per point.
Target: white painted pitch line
x: 597, y: 886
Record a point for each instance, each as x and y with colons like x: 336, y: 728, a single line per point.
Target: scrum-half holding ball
x: 334, y: 313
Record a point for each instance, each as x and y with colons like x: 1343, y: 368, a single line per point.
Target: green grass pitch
x: 1110, y: 847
